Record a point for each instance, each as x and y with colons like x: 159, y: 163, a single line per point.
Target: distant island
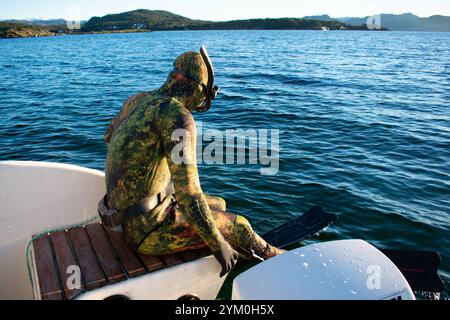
x: 21, y: 30
x: 398, y: 22
x: 157, y: 20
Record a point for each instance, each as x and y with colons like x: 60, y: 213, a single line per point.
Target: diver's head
x: 192, y: 80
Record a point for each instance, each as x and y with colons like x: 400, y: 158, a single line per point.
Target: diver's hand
x: 226, y: 256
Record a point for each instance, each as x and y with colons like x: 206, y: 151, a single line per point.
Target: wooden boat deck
x: 100, y: 254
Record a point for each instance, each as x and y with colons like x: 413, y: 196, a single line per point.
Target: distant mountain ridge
x: 38, y: 22
x: 398, y: 22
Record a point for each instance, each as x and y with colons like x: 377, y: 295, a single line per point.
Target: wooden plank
x: 46, y: 270
x: 65, y: 259
x: 90, y: 268
x: 128, y: 258
x: 190, y: 255
x: 151, y: 263
x: 105, y: 253
x: 171, y: 260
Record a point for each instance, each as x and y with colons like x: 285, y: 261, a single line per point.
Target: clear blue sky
x: 223, y: 9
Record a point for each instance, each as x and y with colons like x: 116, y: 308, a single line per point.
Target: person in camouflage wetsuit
x: 139, y: 165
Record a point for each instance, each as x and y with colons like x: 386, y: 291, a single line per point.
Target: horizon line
x: 318, y: 15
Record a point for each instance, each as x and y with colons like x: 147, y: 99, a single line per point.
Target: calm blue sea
x: 364, y: 119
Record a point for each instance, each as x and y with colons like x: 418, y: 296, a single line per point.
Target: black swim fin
x: 420, y: 268
x: 300, y: 228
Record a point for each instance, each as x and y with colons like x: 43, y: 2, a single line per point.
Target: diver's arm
x: 188, y: 192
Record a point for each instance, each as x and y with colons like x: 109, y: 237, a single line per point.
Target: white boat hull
x: 39, y: 196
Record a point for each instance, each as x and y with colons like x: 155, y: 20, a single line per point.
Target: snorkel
x: 210, y: 88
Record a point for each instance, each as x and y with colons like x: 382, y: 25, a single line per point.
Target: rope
x: 37, y: 236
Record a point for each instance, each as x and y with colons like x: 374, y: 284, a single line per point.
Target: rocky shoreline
x: 24, y: 32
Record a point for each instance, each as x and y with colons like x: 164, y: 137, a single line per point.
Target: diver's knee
x: 222, y: 204
x: 216, y: 203
x: 242, y: 222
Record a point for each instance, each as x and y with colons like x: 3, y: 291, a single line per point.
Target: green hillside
x: 139, y: 19
x: 274, y: 24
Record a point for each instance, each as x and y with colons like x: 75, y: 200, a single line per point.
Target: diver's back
x: 135, y: 165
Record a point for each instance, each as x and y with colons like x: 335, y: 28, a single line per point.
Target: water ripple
x: 363, y: 118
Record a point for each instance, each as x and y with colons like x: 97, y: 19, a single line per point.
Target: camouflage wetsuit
x: 139, y: 165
